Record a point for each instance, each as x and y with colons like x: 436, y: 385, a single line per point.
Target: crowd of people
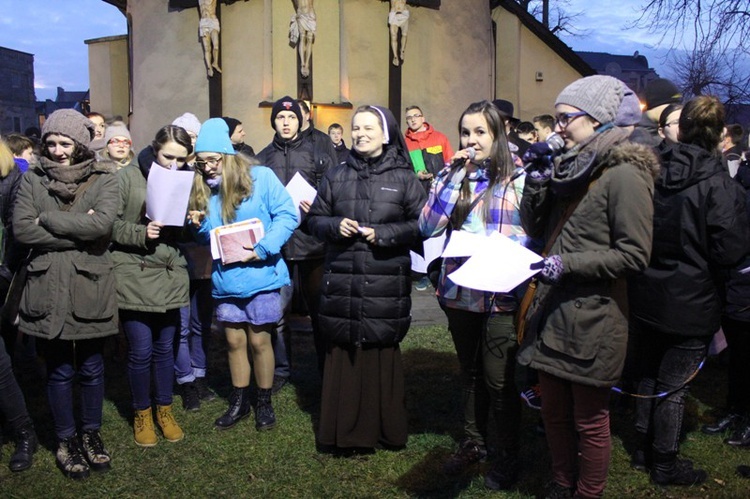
x: 641, y: 220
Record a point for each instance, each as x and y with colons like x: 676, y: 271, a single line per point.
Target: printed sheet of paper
x: 498, y: 265
x: 432, y: 249
x: 300, y: 190
x: 167, y: 195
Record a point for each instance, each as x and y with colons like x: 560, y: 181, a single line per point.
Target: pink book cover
x: 232, y: 243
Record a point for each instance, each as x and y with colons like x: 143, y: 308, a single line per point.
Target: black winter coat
x: 738, y: 288
x: 303, y: 155
x: 366, y: 290
x: 700, y: 228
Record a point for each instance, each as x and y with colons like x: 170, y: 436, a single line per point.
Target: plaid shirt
x: 504, y: 217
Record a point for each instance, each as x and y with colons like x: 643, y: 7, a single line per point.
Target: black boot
x: 239, y: 408
x: 190, y: 398
x: 504, y: 472
x: 205, y: 394
x: 641, y: 459
x: 741, y: 435
x: 265, y: 418
x: 26, y: 444
x: 668, y: 470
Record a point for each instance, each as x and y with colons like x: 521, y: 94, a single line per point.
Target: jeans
x: 64, y: 360
x: 12, y: 403
x: 195, y: 333
x: 310, y: 276
x: 150, y: 338
x: 576, y: 420
x: 668, y: 361
x: 738, y: 339
x: 486, y: 349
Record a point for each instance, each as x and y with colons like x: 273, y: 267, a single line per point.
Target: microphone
x: 555, y: 145
x: 459, y: 162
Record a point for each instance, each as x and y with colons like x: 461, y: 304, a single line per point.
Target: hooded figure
x: 367, y: 211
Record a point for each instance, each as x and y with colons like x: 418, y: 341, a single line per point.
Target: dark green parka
x: 70, y: 291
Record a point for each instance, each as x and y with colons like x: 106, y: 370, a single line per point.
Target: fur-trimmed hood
x: 638, y: 155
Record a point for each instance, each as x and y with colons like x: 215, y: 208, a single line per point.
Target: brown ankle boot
x: 167, y: 423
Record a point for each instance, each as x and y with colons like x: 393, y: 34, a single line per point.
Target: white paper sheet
x: 498, y: 265
x: 167, y: 195
x: 432, y: 249
x: 464, y: 243
x: 300, y: 191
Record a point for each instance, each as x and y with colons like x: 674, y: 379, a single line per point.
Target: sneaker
x: 503, y: 474
x: 724, y: 423
x: 190, y: 398
x: 94, y: 452
x: 279, y: 382
x: 422, y: 284
x: 533, y: 396
x: 205, y: 394
x: 468, y: 453
x: 70, y: 460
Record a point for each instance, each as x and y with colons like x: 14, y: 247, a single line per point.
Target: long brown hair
x: 236, y: 186
x: 501, y: 162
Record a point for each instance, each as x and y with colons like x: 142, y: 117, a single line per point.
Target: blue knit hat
x: 214, y: 137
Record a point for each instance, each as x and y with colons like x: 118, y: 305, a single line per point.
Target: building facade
x: 456, y: 53
x: 17, y: 98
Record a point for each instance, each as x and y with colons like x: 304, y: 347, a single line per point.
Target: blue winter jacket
x: 271, y: 203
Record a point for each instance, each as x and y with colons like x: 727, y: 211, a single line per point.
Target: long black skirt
x: 363, y: 402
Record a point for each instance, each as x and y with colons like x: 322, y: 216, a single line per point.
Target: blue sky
x: 54, y: 31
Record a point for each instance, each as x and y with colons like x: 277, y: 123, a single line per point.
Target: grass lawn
x: 242, y: 462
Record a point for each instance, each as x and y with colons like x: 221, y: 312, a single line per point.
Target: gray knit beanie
x: 113, y: 131
x: 599, y: 96
x: 70, y: 123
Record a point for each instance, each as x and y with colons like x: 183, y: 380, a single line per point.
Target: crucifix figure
x: 398, y: 19
x: 302, y: 32
x: 209, y: 28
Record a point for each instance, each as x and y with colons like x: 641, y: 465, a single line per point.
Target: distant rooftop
x: 601, y: 60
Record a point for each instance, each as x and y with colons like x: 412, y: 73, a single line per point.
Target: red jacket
x: 436, y: 150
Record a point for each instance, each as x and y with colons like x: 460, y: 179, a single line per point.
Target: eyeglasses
x: 671, y: 123
x: 120, y: 142
x: 169, y: 157
x: 564, y: 119
x: 413, y: 117
x: 203, y: 162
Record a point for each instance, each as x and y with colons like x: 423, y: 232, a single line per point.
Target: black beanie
x: 231, y: 123
x: 286, y: 103
x: 661, y: 91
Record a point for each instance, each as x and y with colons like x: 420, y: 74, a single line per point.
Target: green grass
x: 242, y: 462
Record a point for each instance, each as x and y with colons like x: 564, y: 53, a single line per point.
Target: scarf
x: 574, y: 168
x: 64, y: 180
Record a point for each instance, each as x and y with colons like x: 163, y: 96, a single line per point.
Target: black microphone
x: 556, y: 145
x: 458, y: 162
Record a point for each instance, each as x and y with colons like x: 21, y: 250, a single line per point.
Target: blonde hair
x: 6, y: 160
x: 236, y: 186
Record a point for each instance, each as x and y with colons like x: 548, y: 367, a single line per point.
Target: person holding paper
x: 593, y: 204
x: 64, y: 211
x: 481, y: 196
x: 228, y: 189
x: 300, y: 148
x: 366, y: 211
x: 152, y: 286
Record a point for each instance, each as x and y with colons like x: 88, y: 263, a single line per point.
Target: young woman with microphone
x: 479, y: 193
